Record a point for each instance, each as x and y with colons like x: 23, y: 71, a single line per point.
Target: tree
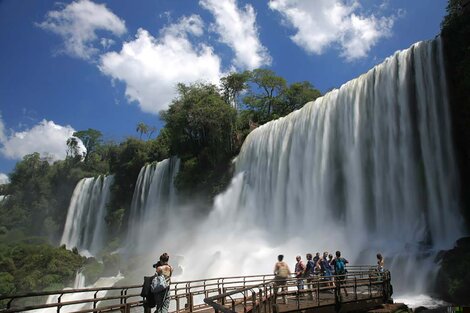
x: 73, y: 148
x: 232, y: 85
x: 199, y: 129
x: 91, y: 139
x: 142, y: 128
x: 297, y: 95
x: 271, y: 87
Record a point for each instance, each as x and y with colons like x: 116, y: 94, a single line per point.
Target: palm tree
x: 142, y: 128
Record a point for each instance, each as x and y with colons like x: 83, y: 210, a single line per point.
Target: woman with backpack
x: 164, y: 271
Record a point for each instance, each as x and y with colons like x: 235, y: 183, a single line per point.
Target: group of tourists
x: 323, y: 267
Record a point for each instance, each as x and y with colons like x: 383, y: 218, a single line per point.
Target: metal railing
x: 363, y: 286
x: 185, y: 296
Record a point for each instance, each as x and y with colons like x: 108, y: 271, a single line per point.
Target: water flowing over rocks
x: 85, y: 227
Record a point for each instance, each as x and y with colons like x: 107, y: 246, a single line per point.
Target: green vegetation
x: 453, y: 281
x: 454, y: 278
x: 205, y: 127
x: 455, y: 33
x: 30, y: 264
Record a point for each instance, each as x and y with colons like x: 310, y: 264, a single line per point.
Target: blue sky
x: 108, y: 65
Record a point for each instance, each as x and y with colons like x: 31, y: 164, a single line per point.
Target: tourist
x: 380, y: 266
x: 299, y: 272
x: 339, y: 264
x: 162, y: 299
x: 315, y: 261
x: 310, y: 268
x: 330, y: 260
x: 309, y: 272
x: 281, y: 273
x: 380, y: 263
x: 326, y: 268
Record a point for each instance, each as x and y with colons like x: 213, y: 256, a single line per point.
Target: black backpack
x: 146, y: 293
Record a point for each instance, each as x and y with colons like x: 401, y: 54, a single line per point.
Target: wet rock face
x: 453, y: 280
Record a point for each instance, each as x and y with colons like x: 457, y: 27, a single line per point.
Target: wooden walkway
x: 240, y: 294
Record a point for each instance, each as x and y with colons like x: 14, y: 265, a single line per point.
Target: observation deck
x: 366, y: 289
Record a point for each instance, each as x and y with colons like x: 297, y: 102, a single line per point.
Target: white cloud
x: 47, y: 138
x: 237, y: 28
x: 322, y: 23
x: 3, y: 136
x: 4, y: 179
x: 151, y: 67
x: 77, y: 24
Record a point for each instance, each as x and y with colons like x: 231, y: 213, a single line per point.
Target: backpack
x: 146, y: 293
x: 159, y: 284
x: 340, y: 267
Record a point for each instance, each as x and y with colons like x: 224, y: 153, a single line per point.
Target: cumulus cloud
x: 237, y: 28
x: 151, y: 67
x: 323, y: 23
x: 46, y: 138
x: 4, y: 179
x: 77, y: 24
x: 2, y: 130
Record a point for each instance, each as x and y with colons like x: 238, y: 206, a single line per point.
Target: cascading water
x: 79, y: 283
x: 154, y: 197
x: 367, y: 168
x: 85, y: 227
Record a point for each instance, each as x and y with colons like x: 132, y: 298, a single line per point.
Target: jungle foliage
x: 205, y: 126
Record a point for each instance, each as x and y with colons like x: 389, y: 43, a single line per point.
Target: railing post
x: 244, y: 297
x: 318, y: 292
x: 260, y: 296
x: 337, y: 296
x: 191, y: 304
x: 253, y: 299
x: 370, y: 287
x: 58, y: 302
x: 355, y: 288
x: 95, y: 302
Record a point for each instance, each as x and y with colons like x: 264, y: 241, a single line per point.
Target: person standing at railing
x: 309, y: 272
x: 380, y: 266
x: 299, y: 272
x: 281, y: 273
x: 339, y: 264
x: 325, y: 268
x: 316, y: 258
x: 380, y: 263
x: 162, y: 299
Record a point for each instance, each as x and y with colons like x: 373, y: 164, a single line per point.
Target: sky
x: 108, y: 65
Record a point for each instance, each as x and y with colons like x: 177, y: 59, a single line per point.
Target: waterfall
x: 153, y: 201
x: 79, y: 283
x: 85, y: 227
x: 366, y: 168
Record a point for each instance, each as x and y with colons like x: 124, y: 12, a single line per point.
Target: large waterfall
x: 85, y: 227
x: 367, y: 168
x: 154, y: 198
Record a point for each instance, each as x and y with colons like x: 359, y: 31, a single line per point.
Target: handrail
x: 319, y: 286
x: 182, y: 293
